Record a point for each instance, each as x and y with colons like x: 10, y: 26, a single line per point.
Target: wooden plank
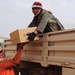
x: 61, y: 48
x: 61, y: 37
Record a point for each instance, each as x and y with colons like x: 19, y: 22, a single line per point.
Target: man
x: 6, y: 65
x: 44, y: 20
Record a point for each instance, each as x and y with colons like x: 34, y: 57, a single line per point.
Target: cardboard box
x: 20, y: 35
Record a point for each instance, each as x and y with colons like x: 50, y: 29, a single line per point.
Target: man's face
x: 35, y: 10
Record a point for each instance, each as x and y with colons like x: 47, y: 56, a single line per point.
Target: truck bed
x: 53, y: 48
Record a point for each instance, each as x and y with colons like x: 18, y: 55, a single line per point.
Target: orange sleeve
x: 11, y: 62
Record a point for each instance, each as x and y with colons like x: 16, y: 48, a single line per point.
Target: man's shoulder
x: 44, y: 11
x: 46, y: 14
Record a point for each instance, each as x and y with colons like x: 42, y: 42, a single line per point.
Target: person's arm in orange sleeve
x: 15, y: 60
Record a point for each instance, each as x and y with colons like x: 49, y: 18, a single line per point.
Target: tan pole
x: 1, y: 37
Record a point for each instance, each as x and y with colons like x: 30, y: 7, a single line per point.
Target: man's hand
x: 31, y: 36
x: 20, y: 45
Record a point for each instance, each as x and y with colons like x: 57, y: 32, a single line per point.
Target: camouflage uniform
x: 46, y: 22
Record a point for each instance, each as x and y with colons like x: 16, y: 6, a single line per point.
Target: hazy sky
x: 16, y: 14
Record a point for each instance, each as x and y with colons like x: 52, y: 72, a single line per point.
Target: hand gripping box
x: 20, y: 35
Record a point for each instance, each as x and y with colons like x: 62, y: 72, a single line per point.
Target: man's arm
x: 15, y: 60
